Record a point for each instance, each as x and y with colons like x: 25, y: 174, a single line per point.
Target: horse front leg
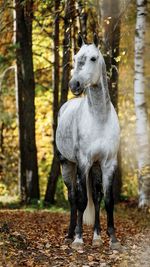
x: 96, y: 180
x: 109, y: 206
x: 73, y: 213
x: 69, y: 176
x: 81, y: 201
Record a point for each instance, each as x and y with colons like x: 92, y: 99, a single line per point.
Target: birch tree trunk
x: 143, y: 150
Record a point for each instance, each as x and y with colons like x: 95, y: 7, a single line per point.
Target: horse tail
x: 89, y: 213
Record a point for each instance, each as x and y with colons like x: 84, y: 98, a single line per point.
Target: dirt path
x: 37, y: 239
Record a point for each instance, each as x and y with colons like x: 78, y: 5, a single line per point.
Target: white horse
x: 87, y: 138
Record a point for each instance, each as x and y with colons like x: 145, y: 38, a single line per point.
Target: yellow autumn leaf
x: 117, y: 59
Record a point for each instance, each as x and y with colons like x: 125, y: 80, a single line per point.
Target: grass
x: 7, y: 202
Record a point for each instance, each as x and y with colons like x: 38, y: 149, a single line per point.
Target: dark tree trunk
x: 111, y: 23
x: 55, y: 168
x: 25, y: 86
x: 2, y: 126
x: 74, y: 30
x: 82, y: 18
x: 69, y: 11
x: 52, y: 181
x: 68, y: 21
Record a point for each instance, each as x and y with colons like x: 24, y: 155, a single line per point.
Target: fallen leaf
x: 90, y: 258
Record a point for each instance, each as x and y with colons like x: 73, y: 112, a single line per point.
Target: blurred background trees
x: 38, y: 40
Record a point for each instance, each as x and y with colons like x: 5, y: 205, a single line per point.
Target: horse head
x: 87, y: 66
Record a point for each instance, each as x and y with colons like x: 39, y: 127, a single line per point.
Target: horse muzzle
x: 75, y: 87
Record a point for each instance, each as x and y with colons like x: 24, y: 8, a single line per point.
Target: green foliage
x: 2, y: 59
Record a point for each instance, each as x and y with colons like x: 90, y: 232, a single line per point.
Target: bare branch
x: 3, y: 75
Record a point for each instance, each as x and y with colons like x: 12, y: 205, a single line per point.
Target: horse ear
x: 95, y: 39
x: 80, y: 40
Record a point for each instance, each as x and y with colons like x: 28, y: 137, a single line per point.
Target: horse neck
x: 99, y: 102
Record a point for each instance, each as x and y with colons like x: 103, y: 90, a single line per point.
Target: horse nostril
x: 78, y: 84
x: 74, y: 84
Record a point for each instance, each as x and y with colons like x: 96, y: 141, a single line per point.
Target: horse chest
x: 83, y: 136
x: 93, y: 141
x: 97, y: 138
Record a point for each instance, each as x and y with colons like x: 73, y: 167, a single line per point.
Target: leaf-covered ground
x: 37, y: 239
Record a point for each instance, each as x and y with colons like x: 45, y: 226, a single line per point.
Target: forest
x: 37, y: 46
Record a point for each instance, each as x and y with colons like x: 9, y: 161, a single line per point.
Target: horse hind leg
x: 96, y: 181
x: 69, y: 176
x: 109, y: 206
x: 81, y: 206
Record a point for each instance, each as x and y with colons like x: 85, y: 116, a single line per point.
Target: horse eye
x: 93, y: 59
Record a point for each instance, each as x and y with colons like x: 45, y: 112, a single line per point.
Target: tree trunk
x: 111, y: 24
x: 143, y: 155
x: 68, y: 21
x: 2, y: 126
x: 69, y: 11
x: 25, y: 92
x: 55, y: 168
x: 82, y: 18
x: 74, y: 31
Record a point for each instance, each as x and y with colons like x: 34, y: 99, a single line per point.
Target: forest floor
x: 36, y: 238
